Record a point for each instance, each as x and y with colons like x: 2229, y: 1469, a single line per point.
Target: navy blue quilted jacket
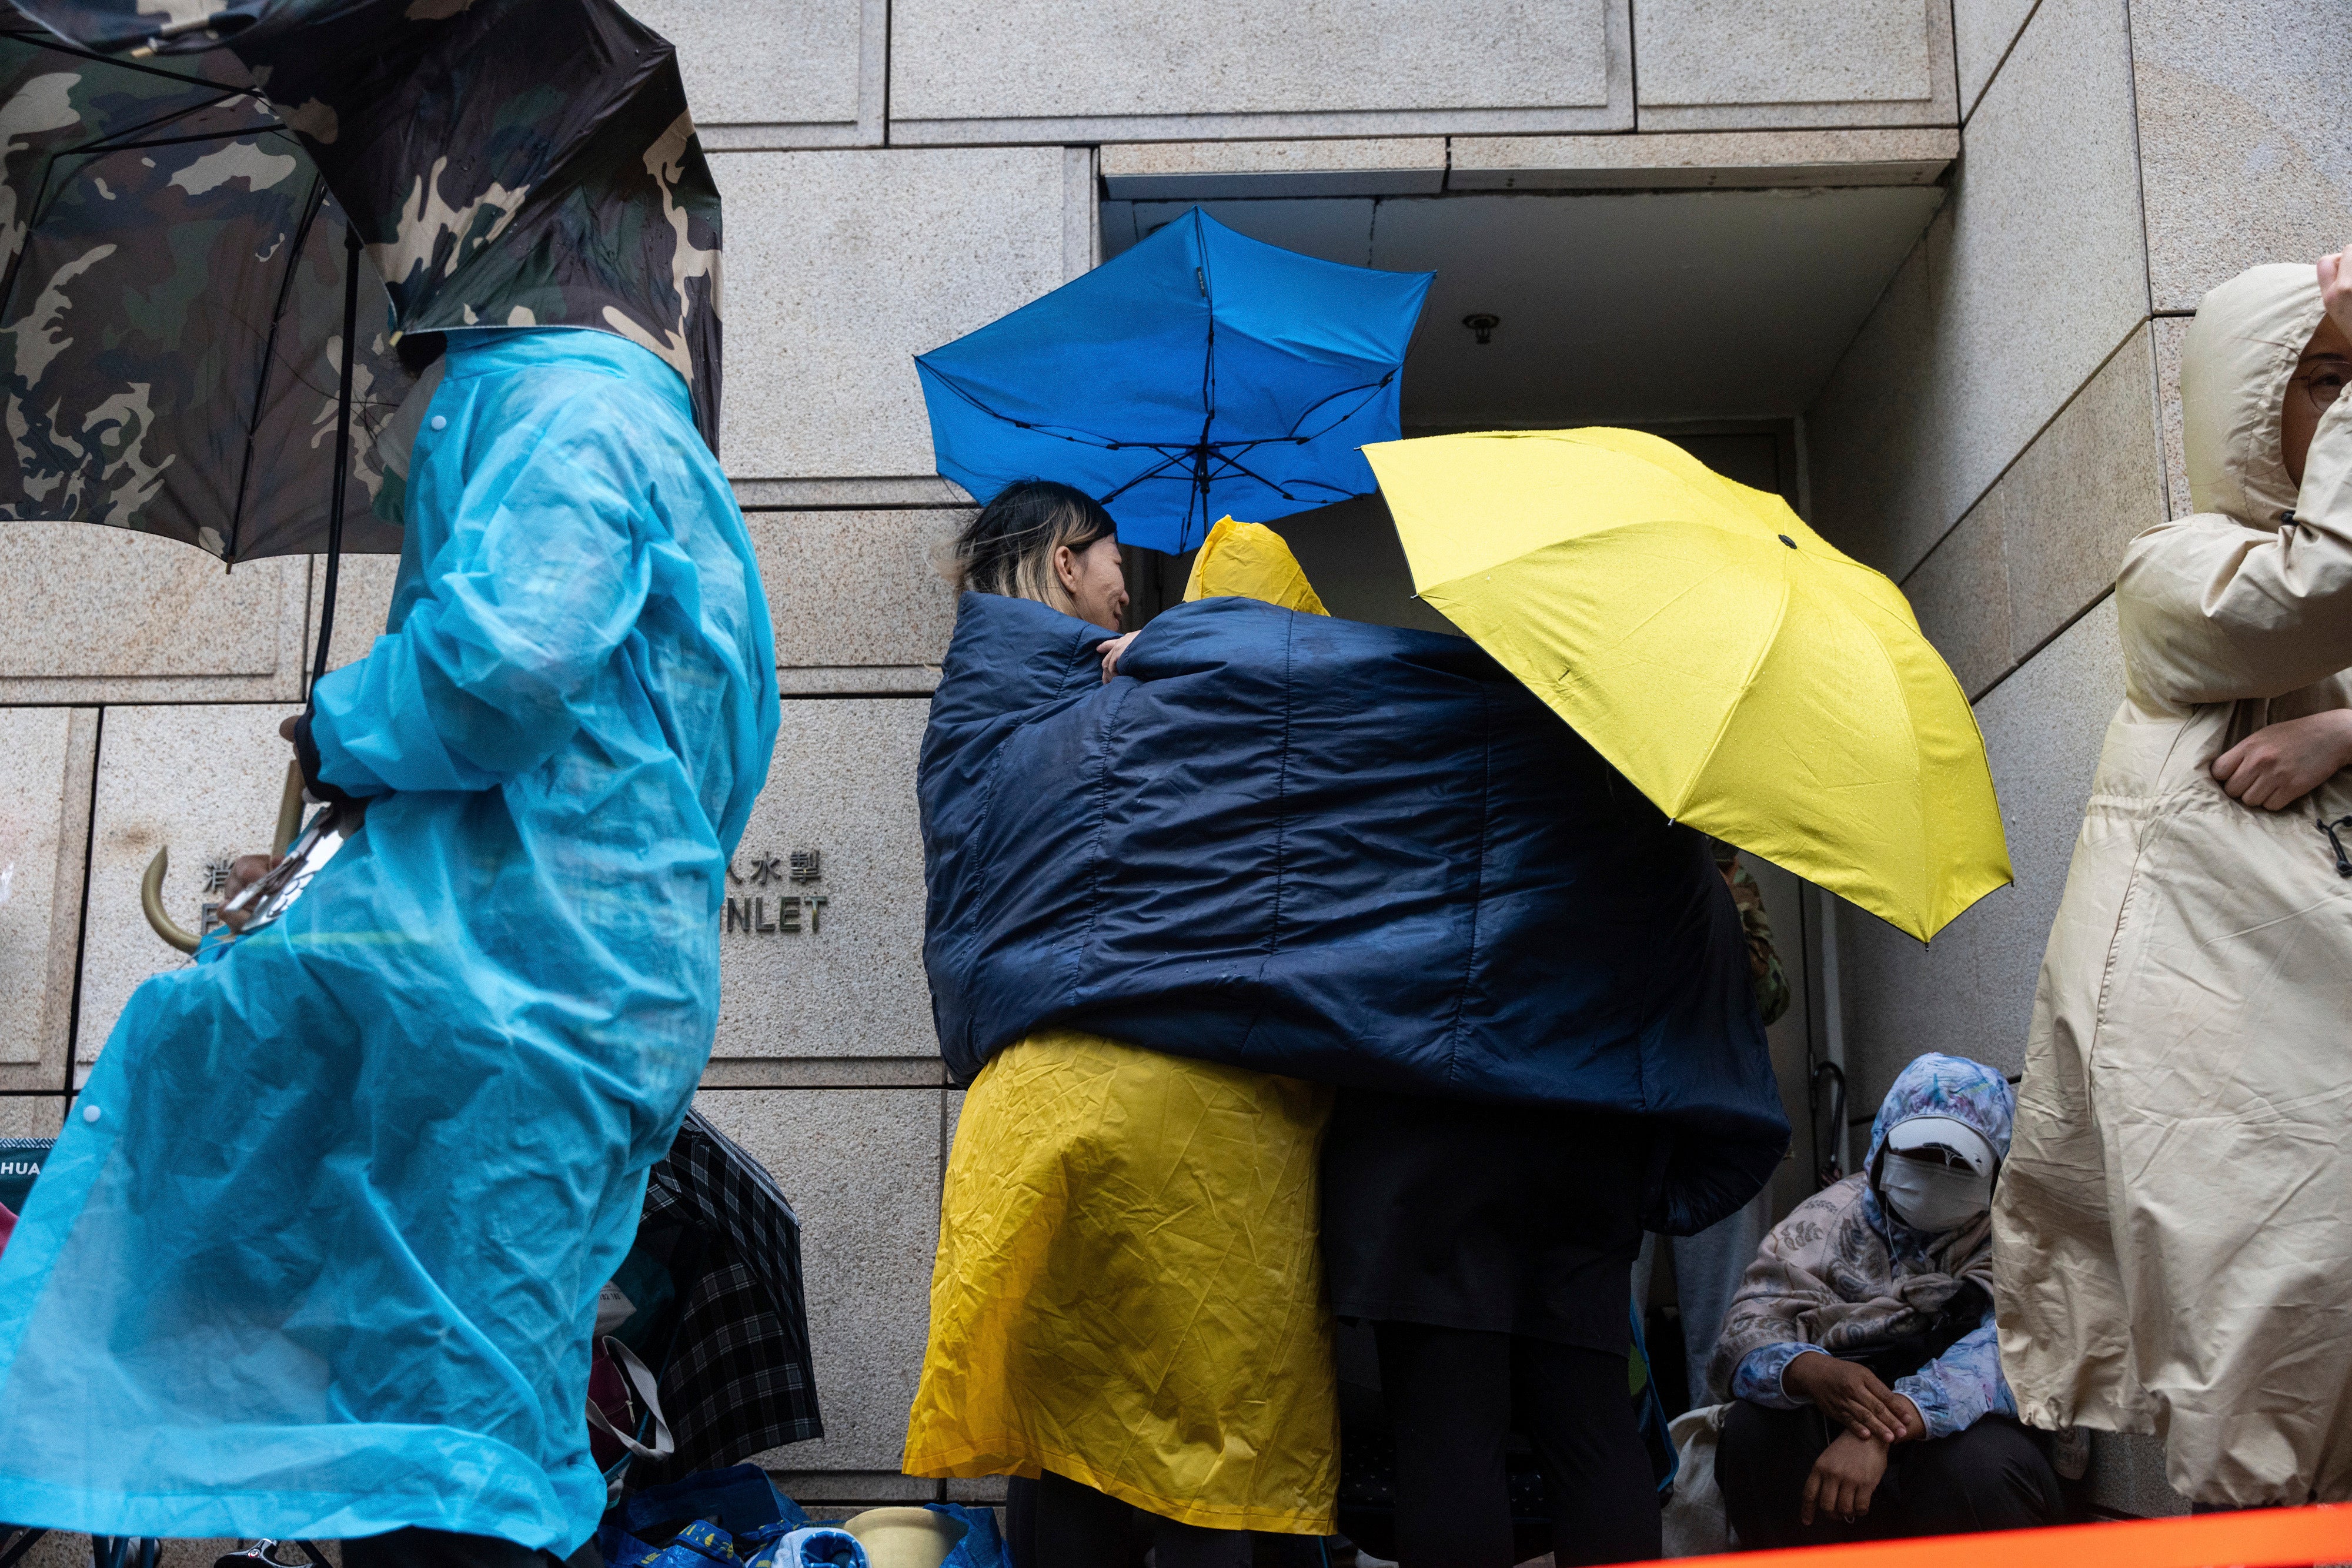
x: 1338, y: 851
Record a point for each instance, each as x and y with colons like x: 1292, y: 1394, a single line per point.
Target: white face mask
x: 1929, y: 1196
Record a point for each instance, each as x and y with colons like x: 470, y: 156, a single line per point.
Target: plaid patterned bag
x: 730, y: 1337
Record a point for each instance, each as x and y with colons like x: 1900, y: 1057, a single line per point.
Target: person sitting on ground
x: 1860, y: 1354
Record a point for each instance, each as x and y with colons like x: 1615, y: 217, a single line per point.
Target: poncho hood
x: 2234, y: 364
x: 1338, y: 851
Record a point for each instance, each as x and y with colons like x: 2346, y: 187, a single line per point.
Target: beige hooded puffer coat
x: 2173, y: 1227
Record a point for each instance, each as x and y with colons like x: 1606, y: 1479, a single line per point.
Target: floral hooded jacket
x: 1841, y: 1273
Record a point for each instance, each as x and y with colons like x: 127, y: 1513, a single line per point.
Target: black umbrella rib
x: 42, y: 38
x: 1170, y: 461
x: 1370, y: 388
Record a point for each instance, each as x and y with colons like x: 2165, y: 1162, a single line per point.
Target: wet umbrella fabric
x: 1200, y: 373
x: 736, y: 1379
x: 173, y: 278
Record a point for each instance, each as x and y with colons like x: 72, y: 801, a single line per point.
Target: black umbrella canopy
x: 506, y: 163
x: 172, y: 292
x: 736, y: 1374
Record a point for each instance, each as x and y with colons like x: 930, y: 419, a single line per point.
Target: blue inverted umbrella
x: 1202, y: 374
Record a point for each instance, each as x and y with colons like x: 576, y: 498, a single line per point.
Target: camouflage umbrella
x: 174, y: 277
x: 506, y: 163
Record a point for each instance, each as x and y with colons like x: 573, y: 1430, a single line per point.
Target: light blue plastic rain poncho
x: 318, y: 1253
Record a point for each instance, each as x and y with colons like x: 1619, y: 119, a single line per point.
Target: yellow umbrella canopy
x: 1749, y: 678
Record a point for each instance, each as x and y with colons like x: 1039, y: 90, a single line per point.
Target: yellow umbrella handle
x: 151, y: 886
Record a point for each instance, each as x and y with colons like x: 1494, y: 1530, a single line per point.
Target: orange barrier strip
x: 2262, y: 1538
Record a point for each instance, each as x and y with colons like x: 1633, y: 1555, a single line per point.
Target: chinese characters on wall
x: 778, y: 894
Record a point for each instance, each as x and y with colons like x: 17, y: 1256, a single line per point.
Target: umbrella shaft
x: 342, y: 452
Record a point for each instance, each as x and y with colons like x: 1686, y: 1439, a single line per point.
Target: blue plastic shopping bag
x: 737, y: 1503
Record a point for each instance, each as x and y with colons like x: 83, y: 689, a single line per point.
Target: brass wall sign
x: 775, y: 912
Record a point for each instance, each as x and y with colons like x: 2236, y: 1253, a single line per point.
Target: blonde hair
x: 1009, y: 547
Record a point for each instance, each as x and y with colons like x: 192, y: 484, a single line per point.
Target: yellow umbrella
x: 1749, y: 679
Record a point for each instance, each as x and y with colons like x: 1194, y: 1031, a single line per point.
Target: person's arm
x: 1847, y: 1393
x: 541, y: 580
x: 1959, y: 1387
x: 2211, y: 611
x: 1759, y: 1378
x: 1110, y: 652
x: 1764, y: 969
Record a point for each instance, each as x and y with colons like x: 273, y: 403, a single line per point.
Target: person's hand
x: 1849, y: 1394
x: 2336, y: 287
x: 1843, y: 1478
x: 286, y: 728
x: 1110, y: 652
x: 243, y: 873
x: 2281, y: 763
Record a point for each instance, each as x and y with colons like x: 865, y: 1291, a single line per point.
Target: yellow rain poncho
x: 1128, y: 1290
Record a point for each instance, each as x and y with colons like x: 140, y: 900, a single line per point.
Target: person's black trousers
x: 1450, y: 1394
x: 1994, y: 1476
x: 1056, y: 1523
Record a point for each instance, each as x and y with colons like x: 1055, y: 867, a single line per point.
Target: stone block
x: 2047, y: 538
x: 858, y: 680
x: 203, y: 783
x: 31, y: 1115
x: 46, y: 758
x: 843, y: 266
x: 97, y: 615
x: 825, y: 1072
x: 1096, y: 71
x: 805, y: 73
x: 784, y: 495
x: 1970, y: 991
x: 2027, y: 281
x: 2245, y: 149
x: 979, y: 1488
x: 1701, y: 160
x: 1960, y: 594
x: 2168, y: 332
x: 1873, y: 441
x: 1710, y: 64
x: 362, y: 603
x: 1200, y: 170
x: 848, y: 589
x: 843, y: 979
x: 837, y: 1495
x: 2070, y: 503
x: 2126, y: 1475
x: 861, y: 1167
x: 1982, y: 32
